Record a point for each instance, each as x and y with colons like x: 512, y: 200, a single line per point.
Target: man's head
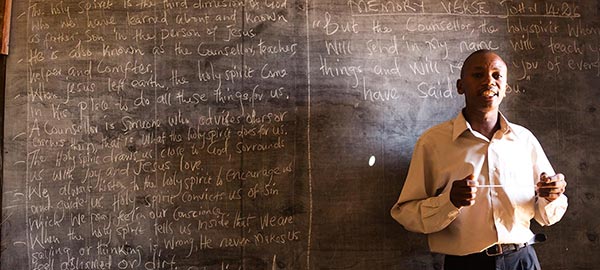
x: 483, y: 81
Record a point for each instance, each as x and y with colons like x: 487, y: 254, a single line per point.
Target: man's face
x: 483, y: 82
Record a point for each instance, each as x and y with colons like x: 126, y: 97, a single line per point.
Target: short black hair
x: 478, y: 52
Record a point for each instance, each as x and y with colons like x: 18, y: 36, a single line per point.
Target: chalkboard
x: 270, y: 134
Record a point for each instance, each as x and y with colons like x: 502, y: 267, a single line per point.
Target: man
x: 475, y: 182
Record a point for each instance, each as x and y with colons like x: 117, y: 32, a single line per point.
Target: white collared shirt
x: 452, y: 151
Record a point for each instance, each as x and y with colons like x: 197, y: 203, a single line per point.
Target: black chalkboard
x: 270, y: 134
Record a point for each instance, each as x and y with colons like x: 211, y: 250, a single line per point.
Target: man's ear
x: 459, y: 87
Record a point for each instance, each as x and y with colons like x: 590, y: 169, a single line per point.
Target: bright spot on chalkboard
x: 372, y: 161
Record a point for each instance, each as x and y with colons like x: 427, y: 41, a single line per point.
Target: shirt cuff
x: 447, y: 206
x: 553, y: 211
x: 438, y: 213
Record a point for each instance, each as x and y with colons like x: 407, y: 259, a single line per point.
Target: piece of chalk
x: 490, y: 185
x: 493, y: 186
x: 372, y: 161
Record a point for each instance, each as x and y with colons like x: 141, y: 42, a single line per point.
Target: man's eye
x: 497, y: 76
x: 477, y: 75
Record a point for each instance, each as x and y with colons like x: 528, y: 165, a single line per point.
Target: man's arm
x: 420, y: 208
x: 427, y: 215
x: 551, y: 203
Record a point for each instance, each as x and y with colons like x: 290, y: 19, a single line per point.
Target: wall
x: 270, y: 134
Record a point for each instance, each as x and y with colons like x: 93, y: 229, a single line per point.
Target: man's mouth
x: 489, y: 93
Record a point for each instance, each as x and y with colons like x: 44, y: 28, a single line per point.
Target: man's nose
x: 488, y: 80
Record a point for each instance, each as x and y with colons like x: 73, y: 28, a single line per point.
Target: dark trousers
x: 522, y: 259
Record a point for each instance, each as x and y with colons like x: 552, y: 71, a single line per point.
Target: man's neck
x: 485, y: 123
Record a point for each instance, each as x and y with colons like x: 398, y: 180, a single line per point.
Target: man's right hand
x: 463, y: 192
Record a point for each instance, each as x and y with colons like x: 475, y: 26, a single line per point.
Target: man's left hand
x: 551, y: 187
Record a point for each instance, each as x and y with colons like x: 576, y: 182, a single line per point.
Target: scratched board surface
x: 270, y: 134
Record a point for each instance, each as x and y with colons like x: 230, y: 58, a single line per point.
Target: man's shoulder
x: 438, y: 132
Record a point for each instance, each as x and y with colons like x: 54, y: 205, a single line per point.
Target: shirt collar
x: 460, y: 125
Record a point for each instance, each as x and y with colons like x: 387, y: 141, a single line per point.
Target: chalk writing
x: 127, y: 145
